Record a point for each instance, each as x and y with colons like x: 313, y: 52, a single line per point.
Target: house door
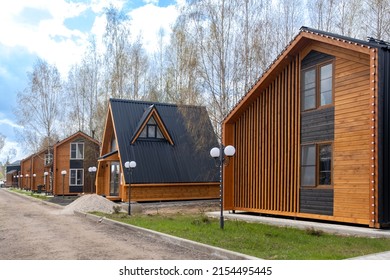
x: 114, y: 179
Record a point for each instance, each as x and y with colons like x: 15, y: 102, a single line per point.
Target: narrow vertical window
x: 309, y: 89
x: 317, y: 87
x: 326, y: 85
x: 308, y: 166
x: 325, y: 164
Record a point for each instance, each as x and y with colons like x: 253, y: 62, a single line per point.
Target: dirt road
x: 33, y: 230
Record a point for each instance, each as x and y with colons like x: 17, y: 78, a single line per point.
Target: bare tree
x: 117, y: 58
x: 322, y: 13
x: 378, y: 18
x: 40, y: 102
x: 182, y: 67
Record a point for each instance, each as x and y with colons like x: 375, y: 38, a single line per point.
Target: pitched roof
x: 186, y: 161
x: 306, y: 35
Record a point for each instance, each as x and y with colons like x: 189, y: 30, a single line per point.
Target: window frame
x: 152, y: 123
x: 77, y: 158
x: 317, y: 165
x: 76, y: 177
x: 317, y: 87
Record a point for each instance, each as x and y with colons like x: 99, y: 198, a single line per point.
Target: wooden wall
x: 161, y: 192
x: 352, y: 139
x: 264, y: 175
x: 268, y: 148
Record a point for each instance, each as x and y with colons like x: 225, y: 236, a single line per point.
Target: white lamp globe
x: 230, y: 150
x: 215, y: 152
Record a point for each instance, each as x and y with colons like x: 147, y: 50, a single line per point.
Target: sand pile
x: 88, y: 203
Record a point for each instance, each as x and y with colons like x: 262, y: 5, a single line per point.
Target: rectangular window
x: 316, y: 165
x: 77, y: 150
x: 48, y: 159
x: 308, y: 166
x: 326, y: 85
x: 317, y: 86
x: 309, y: 89
x: 76, y: 177
x: 325, y: 164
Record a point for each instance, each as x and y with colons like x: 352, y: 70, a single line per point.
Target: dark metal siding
x: 314, y: 58
x: 317, y: 125
x: 76, y: 163
x: 384, y: 136
x: 316, y: 201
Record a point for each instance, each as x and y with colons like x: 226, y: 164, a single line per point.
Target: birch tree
x: 39, y: 104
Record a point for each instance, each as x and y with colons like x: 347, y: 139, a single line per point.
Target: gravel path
x: 33, y: 230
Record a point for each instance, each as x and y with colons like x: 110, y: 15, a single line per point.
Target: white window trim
x: 77, y: 143
x: 70, y: 176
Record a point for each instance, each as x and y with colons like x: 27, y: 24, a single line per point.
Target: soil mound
x: 89, y: 203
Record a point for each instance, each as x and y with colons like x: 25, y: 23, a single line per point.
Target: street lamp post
x: 130, y: 165
x: 33, y: 183
x: 45, y: 179
x: 21, y: 181
x: 222, y: 156
x: 63, y: 173
x: 92, y: 171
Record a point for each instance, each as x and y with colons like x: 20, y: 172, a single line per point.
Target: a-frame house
x: 170, y: 145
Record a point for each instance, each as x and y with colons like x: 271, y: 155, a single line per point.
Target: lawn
x: 259, y: 240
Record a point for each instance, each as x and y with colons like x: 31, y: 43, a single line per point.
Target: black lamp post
x: 63, y: 173
x: 33, y: 181
x: 130, y: 165
x: 92, y: 171
x: 222, y: 156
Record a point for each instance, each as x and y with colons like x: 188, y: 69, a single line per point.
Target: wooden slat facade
x: 266, y: 129
x: 268, y: 148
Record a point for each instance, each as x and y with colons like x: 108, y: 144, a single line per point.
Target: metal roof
x: 187, y: 161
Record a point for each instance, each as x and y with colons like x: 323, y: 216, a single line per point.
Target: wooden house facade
x: 75, y: 154
x: 169, y: 144
x: 36, y: 170
x: 12, y: 174
x: 312, y: 135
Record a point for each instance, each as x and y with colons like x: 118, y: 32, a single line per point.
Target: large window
x: 317, y: 86
x: 76, y: 177
x: 151, y: 130
x: 77, y: 150
x: 316, y: 165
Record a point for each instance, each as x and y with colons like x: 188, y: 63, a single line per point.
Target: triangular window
x: 151, y: 130
x: 151, y: 127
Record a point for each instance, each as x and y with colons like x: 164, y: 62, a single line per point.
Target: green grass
x: 259, y: 240
x: 30, y: 193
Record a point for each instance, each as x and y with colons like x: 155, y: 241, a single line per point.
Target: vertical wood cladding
x: 268, y: 147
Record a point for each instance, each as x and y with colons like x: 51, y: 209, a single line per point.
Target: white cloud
x: 38, y: 26
x: 148, y: 20
x: 9, y: 123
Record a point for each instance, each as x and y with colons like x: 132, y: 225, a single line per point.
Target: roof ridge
x: 145, y: 102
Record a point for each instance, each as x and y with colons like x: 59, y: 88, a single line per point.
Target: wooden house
x: 170, y: 145
x: 73, y: 156
x: 36, y: 171
x: 312, y: 135
x: 12, y: 174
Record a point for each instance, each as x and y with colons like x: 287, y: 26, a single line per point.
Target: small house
x: 72, y: 158
x: 312, y: 135
x: 170, y: 145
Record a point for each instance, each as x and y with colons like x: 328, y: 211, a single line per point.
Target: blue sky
x: 58, y: 31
